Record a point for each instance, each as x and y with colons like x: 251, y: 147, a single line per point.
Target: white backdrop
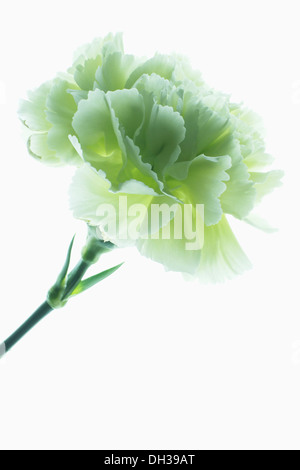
x: 148, y: 361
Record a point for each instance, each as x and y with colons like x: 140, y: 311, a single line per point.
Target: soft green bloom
x: 153, y: 131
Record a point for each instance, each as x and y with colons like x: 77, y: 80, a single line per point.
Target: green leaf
x: 62, y: 276
x: 92, y: 281
x: 55, y: 296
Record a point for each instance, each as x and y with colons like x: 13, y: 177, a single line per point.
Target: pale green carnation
x: 152, y: 130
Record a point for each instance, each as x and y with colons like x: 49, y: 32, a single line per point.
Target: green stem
x: 41, y: 313
x: 73, y: 280
x: 65, y: 285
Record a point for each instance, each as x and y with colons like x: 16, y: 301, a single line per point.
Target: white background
x: 148, y: 361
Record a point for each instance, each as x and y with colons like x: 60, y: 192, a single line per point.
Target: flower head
x: 153, y: 132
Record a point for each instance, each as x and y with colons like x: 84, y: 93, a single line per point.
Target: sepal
x: 92, y: 281
x: 56, y: 293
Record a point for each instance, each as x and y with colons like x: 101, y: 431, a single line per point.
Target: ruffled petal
x: 172, y: 252
x: 152, y: 132
x: 168, y: 128
x: 104, y: 124
x: 222, y: 257
x: 259, y: 222
x: 32, y: 111
x: 136, y: 168
x: 239, y: 197
x: 78, y: 95
x: 265, y: 183
x: 203, y: 183
x: 91, y: 193
x: 162, y: 91
x: 114, y: 72
x: 38, y: 148
x: 258, y: 161
x: 61, y: 108
x: 159, y: 64
x: 90, y: 57
x: 97, y: 129
x: 206, y: 131
x: 96, y: 49
x: 128, y: 106
x: 183, y: 72
x: 85, y: 74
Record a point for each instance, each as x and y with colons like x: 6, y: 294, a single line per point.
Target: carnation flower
x: 152, y: 131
